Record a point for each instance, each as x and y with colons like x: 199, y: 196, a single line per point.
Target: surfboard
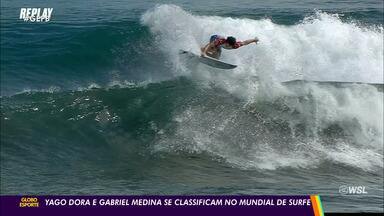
x: 209, y: 61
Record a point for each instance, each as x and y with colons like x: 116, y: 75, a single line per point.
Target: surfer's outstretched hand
x: 256, y: 40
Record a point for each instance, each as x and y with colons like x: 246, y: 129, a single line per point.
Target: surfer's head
x: 231, y: 40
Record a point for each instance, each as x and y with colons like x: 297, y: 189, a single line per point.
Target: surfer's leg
x: 215, y: 55
x: 211, y: 55
x: 218, y: 53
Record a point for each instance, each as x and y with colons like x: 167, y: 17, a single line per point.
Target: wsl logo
x: 352, y: 190
x: 36, y: 14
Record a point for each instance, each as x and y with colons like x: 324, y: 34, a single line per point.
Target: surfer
x: 216, y: 42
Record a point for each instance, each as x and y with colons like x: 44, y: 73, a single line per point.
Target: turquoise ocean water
x: 99, y: 101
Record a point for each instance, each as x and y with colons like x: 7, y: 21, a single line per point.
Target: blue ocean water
x: 98, y: 100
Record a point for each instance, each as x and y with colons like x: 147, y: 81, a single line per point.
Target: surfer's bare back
x: 216, y: 42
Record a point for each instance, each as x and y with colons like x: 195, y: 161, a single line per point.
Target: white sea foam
x: 321, y: 47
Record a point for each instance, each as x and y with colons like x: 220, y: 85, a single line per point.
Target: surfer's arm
x: 246, y: 42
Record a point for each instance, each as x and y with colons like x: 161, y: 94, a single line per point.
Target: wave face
x: 114, y: 109
x: 312, y: 127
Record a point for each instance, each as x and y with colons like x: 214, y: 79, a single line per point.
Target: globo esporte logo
x: 36, y: 14
x: 29, y: 202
